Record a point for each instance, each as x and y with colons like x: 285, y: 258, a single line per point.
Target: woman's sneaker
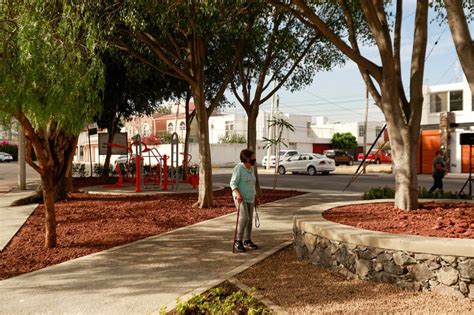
x: 250, y: 245
x: 239, y: 246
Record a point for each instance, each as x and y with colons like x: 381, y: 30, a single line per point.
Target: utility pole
x: 21, y: 160
x: 365, y: 126
x: 271, y: 130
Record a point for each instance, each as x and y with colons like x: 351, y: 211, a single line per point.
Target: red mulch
x: 438, y: 219
x: 91, y: 223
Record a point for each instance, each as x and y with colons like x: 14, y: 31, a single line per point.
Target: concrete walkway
x: 144, y: 276
x: 12, y: 218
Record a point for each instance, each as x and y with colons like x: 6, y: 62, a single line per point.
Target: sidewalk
x: 12, y: 218
x: 144, y: 276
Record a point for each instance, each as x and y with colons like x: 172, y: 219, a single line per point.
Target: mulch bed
x: 438, y: 219
x: 91, y: 223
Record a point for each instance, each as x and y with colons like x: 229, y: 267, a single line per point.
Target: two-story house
x: 448, y: 111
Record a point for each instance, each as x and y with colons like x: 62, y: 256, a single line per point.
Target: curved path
x: 143, y: 276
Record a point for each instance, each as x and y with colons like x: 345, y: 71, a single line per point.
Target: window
x: 361, y: 131
x: 170, y: 127
x: 229, y: 127
x: 377, y: 130
x: 81, y: 153
x: 439, y: 102
x: 146, y: 130
x: 455, y: 101
x: 182, y: 126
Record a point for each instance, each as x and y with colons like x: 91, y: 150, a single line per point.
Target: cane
x: 236, y: 225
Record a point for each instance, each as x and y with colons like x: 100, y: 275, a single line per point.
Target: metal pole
x: 90, y: 151
x: 364, y: 147
x: 21, y: 160
x: 271, y: 130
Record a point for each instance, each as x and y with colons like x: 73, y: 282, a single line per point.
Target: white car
x: 5, y: 157
x: 284, y: 154
x: 310, y: 163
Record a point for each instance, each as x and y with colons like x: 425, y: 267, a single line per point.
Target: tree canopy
x: 344, y: 141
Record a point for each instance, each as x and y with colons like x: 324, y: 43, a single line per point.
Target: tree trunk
x: 105, y: 173
x: 461, y: 38
x: 50, y: 216
x: 404, y: 156
x: 188, y: 130
x: 205, y: 163
x: 252, y: 142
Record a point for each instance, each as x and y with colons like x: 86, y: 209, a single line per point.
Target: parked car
x: 339, y: 156
x: 124, y: 159
x: 377, y: 156
x: 5, y: 157
x: 284, y: 154
x: 311, y: 163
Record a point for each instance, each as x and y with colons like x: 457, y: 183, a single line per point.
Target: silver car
x: 311, y: 163
x: 5, y: 157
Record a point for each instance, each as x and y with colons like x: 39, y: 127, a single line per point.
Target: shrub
x: 220, y: 301
x: 232, y: 138
x: 388, y: 193
x: 79, y: 170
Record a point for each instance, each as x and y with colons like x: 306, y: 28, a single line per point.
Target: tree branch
x: 462, y: 38
x: 418, y: 62
x: 307, y: 13
x: 156, y: 47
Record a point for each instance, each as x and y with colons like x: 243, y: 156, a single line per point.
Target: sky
x: 340, y: 94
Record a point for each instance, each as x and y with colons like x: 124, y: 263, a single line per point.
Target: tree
x: 282, y: 51
x: 402, y: 112
x: 189, y: 41
x: 131, y: 89
x: 51, y: 76
x: 344, y: 141
x: 281, y: 125
x: 461, y: 35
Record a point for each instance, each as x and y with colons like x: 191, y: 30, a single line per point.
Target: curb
x: 265, y: 301
x: 212, y: 283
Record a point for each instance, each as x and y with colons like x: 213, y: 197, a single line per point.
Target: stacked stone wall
x: 449, y: 275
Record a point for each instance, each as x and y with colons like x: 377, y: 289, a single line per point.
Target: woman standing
x: 242, y: 184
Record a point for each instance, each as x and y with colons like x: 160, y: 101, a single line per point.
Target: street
x: 333, y: 182
x: 9, y: 176
x: 337, y: 182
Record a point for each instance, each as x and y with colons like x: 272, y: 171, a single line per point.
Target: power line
x: 435, y: 43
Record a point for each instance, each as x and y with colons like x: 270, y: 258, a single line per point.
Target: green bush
x: 389, y: 193
x: 379, y: 193
x: 220, y: 301
x: 11, y: 149
x: 232, y: 138
x: 78, y: 170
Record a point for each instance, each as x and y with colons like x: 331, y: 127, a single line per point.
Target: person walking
x: 242, y: 184
x: 439, y: 170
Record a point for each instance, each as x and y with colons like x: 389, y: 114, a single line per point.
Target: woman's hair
x: 246, y: 155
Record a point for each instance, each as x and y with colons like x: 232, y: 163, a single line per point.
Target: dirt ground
x: 302, y: 288
x: 91, y: 223
x: 432, y: 219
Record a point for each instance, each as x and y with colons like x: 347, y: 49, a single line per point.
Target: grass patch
x: 223, y: 299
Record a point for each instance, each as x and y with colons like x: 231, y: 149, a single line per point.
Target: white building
x: 455, y: 98
x: 324, y: 129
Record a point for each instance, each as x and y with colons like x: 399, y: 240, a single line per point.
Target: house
x: 448, y: 111
x: 322, y: 128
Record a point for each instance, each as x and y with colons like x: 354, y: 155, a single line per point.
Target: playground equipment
x: 161, y: 175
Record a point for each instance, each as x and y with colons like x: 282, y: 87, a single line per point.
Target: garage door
x: 430, y: 142
x: 465, y: 158
x: 320, y: 147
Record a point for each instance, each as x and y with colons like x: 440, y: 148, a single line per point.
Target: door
x: 465, y: 159
x: 430, y: 142
x: 292, y: 164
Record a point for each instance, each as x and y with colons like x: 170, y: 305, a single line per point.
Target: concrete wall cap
x: 310, y: 220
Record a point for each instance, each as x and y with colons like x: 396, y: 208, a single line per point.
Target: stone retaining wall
x: 450, y: 275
